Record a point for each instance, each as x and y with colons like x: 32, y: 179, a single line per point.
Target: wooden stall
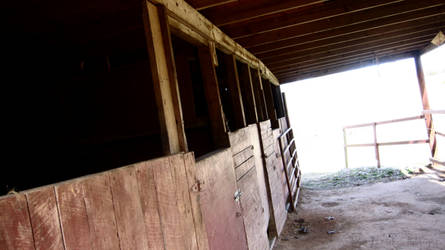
x: 148, y: 85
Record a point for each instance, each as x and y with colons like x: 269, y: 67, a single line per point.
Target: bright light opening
x: 320, y: 107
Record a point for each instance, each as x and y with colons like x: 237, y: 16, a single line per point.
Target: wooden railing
x: 377, y: 144
x: 291, y: 166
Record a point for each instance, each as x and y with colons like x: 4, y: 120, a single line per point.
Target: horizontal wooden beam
x: 205, y: 4
x: 337, y: 62
x: 347, y: 59
x: 307, y: 15
x: 388, y: 143
x: 348, y: 47
x: 358, y: 37
x: 189, y: 16
x: 339, y: 68
x: 375, y: 57
x: 408, y: 6
x: 424, y: 16
x: 374, y: 51
x: 241, y: 11
x: 386, y: 122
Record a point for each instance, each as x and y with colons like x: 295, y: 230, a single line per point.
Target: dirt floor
x: 403, y: 214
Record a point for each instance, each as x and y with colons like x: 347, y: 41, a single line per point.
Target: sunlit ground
x: 319, y: 108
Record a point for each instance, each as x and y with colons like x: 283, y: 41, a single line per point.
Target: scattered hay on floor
x: 351, y: 177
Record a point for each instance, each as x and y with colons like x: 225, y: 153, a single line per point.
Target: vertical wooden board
x: 100, y: 212
x: 255, y: 139
x: 45, y: 218
x: 149, y: 203
x: 259, y: 100
x: 235, y: 91
x: 255, y: 219
x: 194, y: 185
x: 271, y: 112
x: 211, y: 90
x: 221, y: 213
x: 274, y: 174
x: 171, y: 219
x: 127, y: 208
x: 73, y: 216
x: 159, y: 50
x: 245, y: 143
x: 15, y: 226
x: 247, y: 93
x: 184, y: 204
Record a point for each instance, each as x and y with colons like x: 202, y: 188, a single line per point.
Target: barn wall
x: 148, y: 205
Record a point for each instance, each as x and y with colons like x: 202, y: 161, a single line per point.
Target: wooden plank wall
x: 149, y: 205
x: 249, y: 170
x: 274, y: 174
x: 222, y: 214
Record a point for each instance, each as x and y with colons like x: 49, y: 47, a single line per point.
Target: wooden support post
x: 286, y: 113
x: 270, y: 104
x: 235, y: 91
x: 425, y: 104
x: 247, y: 93
x: 258, y: 94
x: 346, y: 147
x: 263, y: 97
x: 211, y: 89
x: 376, y: 145
x: 164, y: 78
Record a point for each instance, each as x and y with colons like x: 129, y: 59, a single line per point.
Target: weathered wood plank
x: 73, y: 216
x: 213, y: 97
x: 100, y: 212
x: 149, y: 203
x: 194, y: 185
x: 15, y: 226
x: 221, y: 213
x: 248, y: 139
x: 247, y: 93
x: 164, y: 79
x: 171, y: 220
x: 255, y: 219
x: 271, y: 113
x: 183, y: 201
x: 242, y: 156
x: 234, y: 89
x: 244, y: 168
x: 44, y: 218
x: 128, y: 209
x: 259, y: 95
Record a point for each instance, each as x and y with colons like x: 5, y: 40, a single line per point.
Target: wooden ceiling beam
x: 341, y: 68
x: 340, y: 60
x: 391, y: 29
x: 350, y: 54
x: 241, y: 11
x: 369, y: 15
x: 205, y: 4
x: 307, y: 15
x: 322, y: 45
x: 350, y: 46
x: 393, y: 22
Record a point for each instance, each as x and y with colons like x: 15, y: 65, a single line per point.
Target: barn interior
x: 112, y: 106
